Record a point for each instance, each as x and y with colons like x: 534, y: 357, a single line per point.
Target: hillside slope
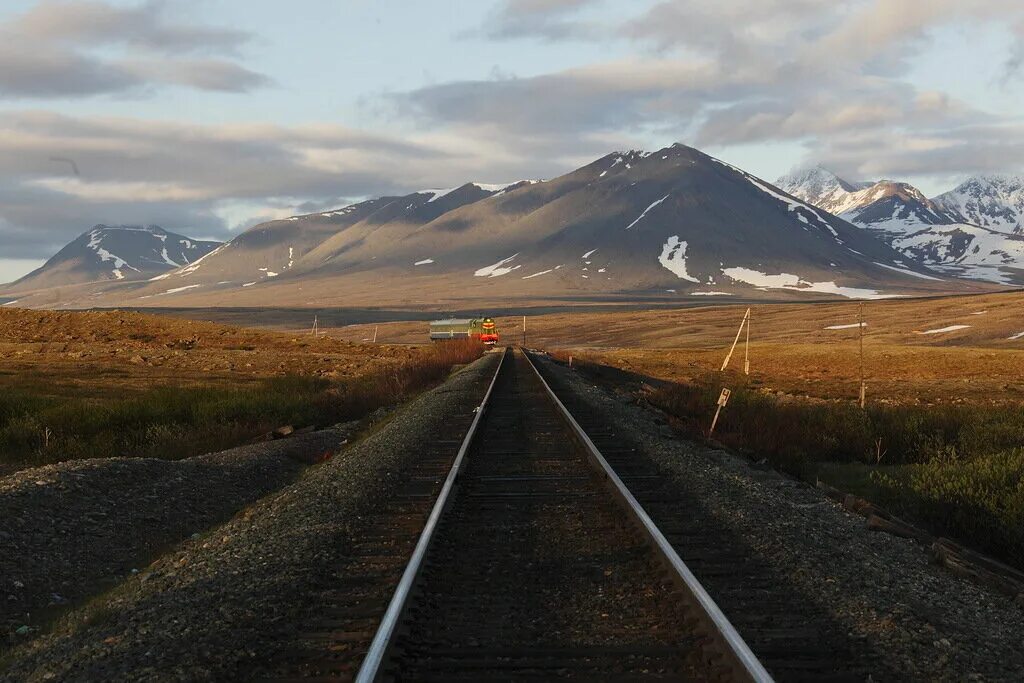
x: 120, y: 252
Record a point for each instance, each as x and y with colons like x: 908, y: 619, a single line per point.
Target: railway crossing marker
x: 723, y: 398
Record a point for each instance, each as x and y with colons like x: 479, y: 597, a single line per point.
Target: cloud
x: 546, y: 19
x: 733, y: 72
x: 74, y: 48
x: 206, y: 180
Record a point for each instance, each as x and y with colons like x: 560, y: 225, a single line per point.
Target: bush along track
x: 957, y: 470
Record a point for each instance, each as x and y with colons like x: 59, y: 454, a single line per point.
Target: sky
x: 207, y: 118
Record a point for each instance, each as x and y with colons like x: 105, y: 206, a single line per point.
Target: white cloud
x: 63, y: 48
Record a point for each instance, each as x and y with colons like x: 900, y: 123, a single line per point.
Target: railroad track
x: 792, y: 634
x: 535, y: 562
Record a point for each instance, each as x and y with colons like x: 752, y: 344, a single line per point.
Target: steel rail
x: 369, y: 670
x: 741, y: 660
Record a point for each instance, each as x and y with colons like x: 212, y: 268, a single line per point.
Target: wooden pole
x: 860, y: 328
x: 735, y: 341
x: 524, y: 331
x: 715, y: 420
x: 746, y: 348
x: 375, y: 333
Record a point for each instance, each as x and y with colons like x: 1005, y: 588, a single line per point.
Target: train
x: 483, y: 329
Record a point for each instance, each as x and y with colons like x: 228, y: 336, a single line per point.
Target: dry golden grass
x: 97, y: 353
x: 100, y: 384
x: 792, y: 351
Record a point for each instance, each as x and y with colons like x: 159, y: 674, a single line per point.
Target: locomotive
x: 483, y: 329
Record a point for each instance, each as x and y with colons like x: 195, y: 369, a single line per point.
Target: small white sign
x: 723, y: 398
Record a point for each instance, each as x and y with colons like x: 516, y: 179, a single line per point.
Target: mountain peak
x: 117, y: 252
x: 993, y: 201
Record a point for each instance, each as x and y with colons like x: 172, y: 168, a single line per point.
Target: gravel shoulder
x: 209, y: 609
x: 924, y: 623
x: 73, y: 529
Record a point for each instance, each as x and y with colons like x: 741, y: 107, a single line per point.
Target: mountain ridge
x: 670, y: 224
x: 116, y: 253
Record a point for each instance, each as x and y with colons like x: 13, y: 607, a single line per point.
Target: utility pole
x: 860, y: 328
x: 375, y: 333
x: 524, y: 331
x: 315, y: 328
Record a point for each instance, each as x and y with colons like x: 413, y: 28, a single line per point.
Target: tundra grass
x: 176, y: 422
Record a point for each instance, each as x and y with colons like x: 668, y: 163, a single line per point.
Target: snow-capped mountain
x: 939, y: 233
x: 885, y: 205
x: 824, y: 189
x: 119, y: 252
x: 995, y: 202
x: 671, y: 225
x: 966, y: 250
x: 674, y: 223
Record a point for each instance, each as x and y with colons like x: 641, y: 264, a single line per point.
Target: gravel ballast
x: 923, y: 622
x: 76, y: 528
x: 226, y: 599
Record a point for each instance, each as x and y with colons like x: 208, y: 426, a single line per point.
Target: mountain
x: 674, y: 225
x: 885, y: 205
x: 940, y: 233
x: 822, y: 188
x: 119, y: 252
x: 274, y: 248
x: 671, y: 224
x: 995, y: 202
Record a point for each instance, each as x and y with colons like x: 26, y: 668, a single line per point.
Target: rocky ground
x: 925, y: 623
x: 206, y: 610
x: 72, y: 529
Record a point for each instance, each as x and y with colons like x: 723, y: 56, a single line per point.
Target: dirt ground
x: 792, y: 349
x: 98, y: 352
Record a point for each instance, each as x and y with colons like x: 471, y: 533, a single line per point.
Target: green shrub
x: 980, y: 500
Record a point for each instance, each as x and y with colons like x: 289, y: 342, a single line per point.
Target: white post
x: 735, y: 341
x: 860, y: 328
x: 746, y: 348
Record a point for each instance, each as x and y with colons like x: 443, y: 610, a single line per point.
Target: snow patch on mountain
x: 645, y: 212
x: 943, y: 330
x: 967, y: 251
x: 790, y: 281
x: 538, y: 274
x: 498, y: 269
x: 673, y: 257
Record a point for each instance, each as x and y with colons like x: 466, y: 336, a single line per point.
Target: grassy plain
x: 99, y: 384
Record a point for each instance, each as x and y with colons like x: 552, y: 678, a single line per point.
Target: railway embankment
x: 921, y: 621
x: 73, y: 529
x: 207, y: 609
